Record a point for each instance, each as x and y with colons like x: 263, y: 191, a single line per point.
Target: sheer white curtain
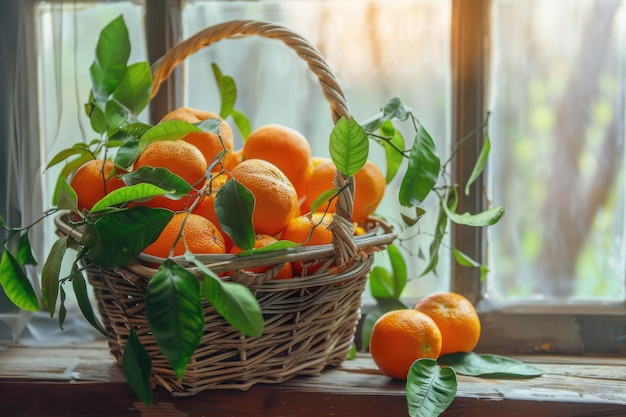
x: 20, y: 179
x: 47, y: 48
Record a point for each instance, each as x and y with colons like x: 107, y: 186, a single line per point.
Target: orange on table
x: 206, y: 206
x: 200, y: 235
x: 92, y: 181
x: 369, y: 189
x: 261, y: 241
x: 308, y: 230
x: 207, y: 142
x: 283, y: 146
x: 276, y: 201
x: 401, y: 337
x: 181, y: 158
x: 456, y: 318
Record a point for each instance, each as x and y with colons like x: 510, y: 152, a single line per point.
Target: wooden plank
x: 84, y: 380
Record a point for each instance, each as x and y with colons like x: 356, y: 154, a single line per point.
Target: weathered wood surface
x: 84, y: 381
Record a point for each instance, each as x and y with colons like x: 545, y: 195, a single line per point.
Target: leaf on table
x: 488, y: 365
x: 430, y: 389
x: 137, y: 367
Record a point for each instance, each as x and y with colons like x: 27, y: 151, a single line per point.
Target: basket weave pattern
x: 310, y: 321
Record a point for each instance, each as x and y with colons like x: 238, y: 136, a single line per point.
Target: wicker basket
x: 310, y: 321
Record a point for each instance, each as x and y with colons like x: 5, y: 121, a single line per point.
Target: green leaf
x: 210, y: 125
x: 322, y: 199
x: 383, y: 306
x: 412, y: 221
x: 398, y: 266
x: 24, y: 253
x: 485, y: 218
x: 393, y: 149
x: 174, y: 311
x: 62, y: 310
x: 84, y: 304
x: 15, y: 283
x: 234, y: 205
x: 137, y: 367
x: 393, y: 109
x: 67, y: 169
x: 227, y: 89
x: 112, y: 53
x: 78, y: 149
x: 126, y: 194
x: 422, y: 171
x: 272, y: 247
x: 480, y: 164
x: 488, y: 366
x: 242, y: 123
x: 136, y: 130
x: 435, y: 244
x: 166, y: 130
x: 381, y: 282
x: 97, y: 119
x: 67, y: 197
x: 121, y: 235
x: 50, y: 273
x: 349, y: 146
x: 114, y: 116
x: 127, y: 153
x: 135, y: 88
x: 120, y: 136
x: 234, y: 302
x: 160, y: 177
x: 396, y: 109
x: 429, y: 388
x: 464, y: 260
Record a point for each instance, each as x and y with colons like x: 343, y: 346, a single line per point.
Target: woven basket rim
x: 146, y: 265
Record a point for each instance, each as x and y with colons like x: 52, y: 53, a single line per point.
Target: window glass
x: 377, y: 49
x: 557, y: 165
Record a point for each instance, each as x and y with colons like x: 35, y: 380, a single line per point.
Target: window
x: 556, y: 92
x: 549, y: 72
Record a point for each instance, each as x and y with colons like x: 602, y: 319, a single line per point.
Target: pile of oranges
x: 441, y: 323
x: 275, y: 163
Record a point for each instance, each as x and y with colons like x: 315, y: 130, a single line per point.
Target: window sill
x: 84, y: 380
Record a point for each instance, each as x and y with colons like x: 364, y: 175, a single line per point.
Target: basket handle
x: 341, y: 227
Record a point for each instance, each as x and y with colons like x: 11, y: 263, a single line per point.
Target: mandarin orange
x: 369, y: 190
x: 456, y: 318
x: 308, y: 230
x: 401, y: 337
x: 92, y: 181
x: 209, y: 143
x: 198, y: 234
x: 261, y: 241
x: 283, y: 146
x: 182, y: 159
x: 276, y: 201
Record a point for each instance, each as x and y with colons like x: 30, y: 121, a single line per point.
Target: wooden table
x: 83, y: 380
